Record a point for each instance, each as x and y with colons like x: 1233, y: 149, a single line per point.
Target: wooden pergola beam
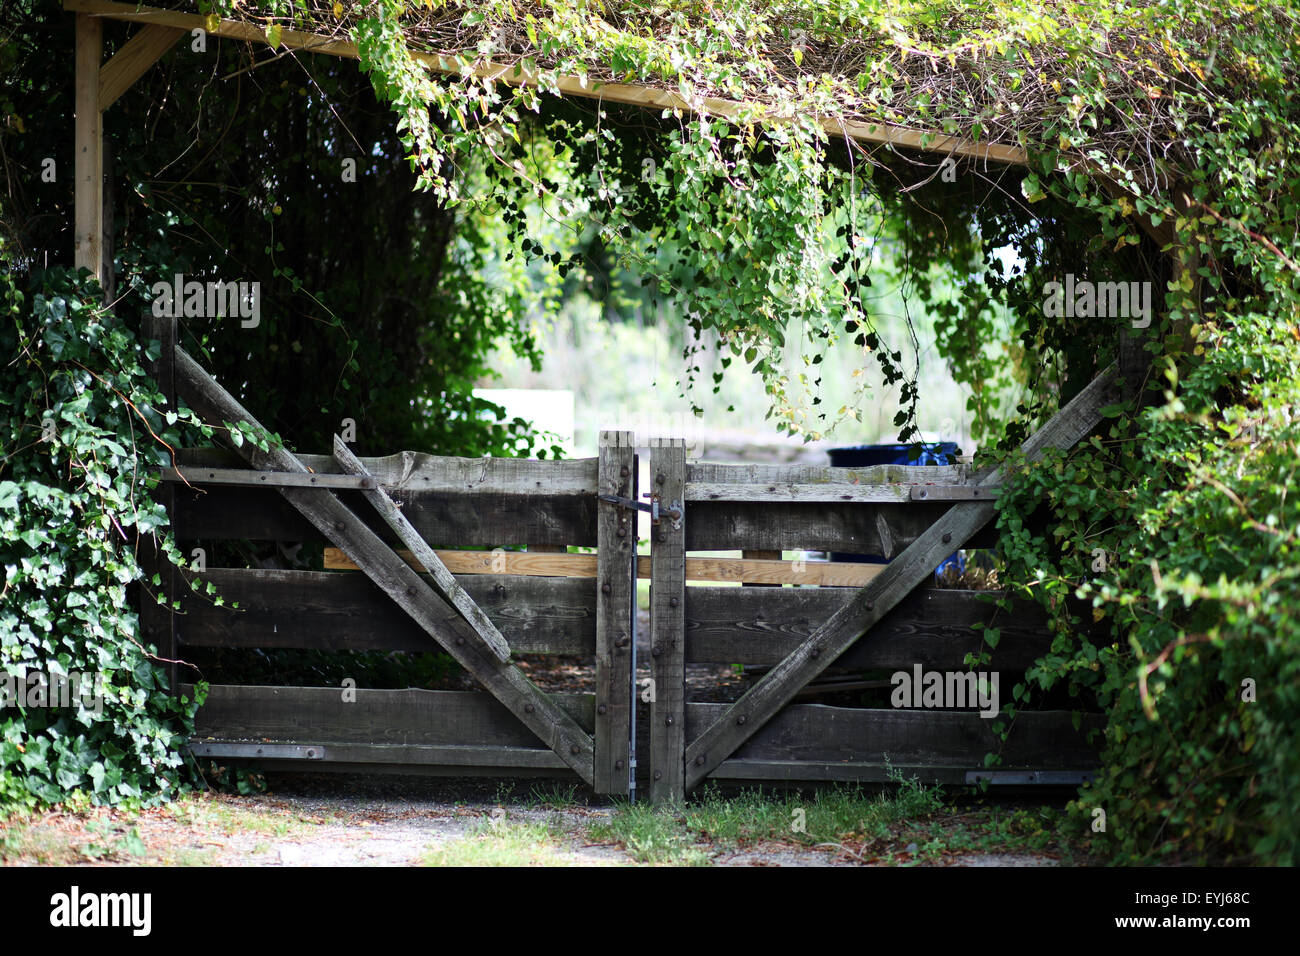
x: 515, y: 75
x: 134, y: 59
x: 88, y: 164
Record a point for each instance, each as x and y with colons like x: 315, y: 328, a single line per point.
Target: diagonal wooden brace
x: 442, y: 578
x: 396, y: 578
x: 918, y: 561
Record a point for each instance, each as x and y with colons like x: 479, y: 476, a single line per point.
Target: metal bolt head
x: 699, y: 761
x: 624, y: 641
x: 871, y: 605
x: 528, y: 708
x: 660, y: 478
x: 601, y: 709
x: 618, y: 765
x: 460, y: 641
x: 816, y: 652
x: 668, y: 720
x: 622, y: 532
x: 659, y: 774
x: 661, y: 537
x: 623, y: 472
x: 338, y: 526
x: 605, y: 588
x: 410, y: 592
x: 656, y: 651
x: 673, y: 602
x: 575, y: 750
x: 740, y: 721
x: 946, y: 537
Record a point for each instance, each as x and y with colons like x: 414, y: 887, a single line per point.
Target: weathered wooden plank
x: 615, y: 607
x: 416, y: 473
x: 855, y: 528
x: 915, y: 564
x: 88, y: 162
x: 158, y: 621
x: 406, y: 717
x: 222, y: 513
x: 358, y: 756
x: 736, y: 570
x: 442, y: 579
x: 514, y: 74
x: 133, y: 60
x: 863, y: 494
x: 347, y: 612
x: 246, y: 477
x: 395, y: 578
x: 702, y: 474
x: 667, y: 634
x: 821, y: 734
x: 931, y: 626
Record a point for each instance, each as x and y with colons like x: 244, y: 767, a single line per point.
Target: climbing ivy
x: 81, y: 425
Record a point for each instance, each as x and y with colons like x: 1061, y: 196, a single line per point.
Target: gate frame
x: 678, y: 765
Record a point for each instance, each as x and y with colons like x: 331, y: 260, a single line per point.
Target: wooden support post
x: 89, y: 162
x: 909, y: 569
x: 668, y: 627
x: 615, y: 600
x: 157, y: 621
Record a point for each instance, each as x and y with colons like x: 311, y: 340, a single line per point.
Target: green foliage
x: 80, y: 426
x: 756, y: 228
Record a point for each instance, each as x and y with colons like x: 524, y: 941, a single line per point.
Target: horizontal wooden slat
x: 883, y: 529
x: 421, y: 473
x: 819, y: 734
x: 738, y: 570
x: 223, y: 513
x: 326, y: 754
x: 932, y: 627
x: 319, y: 715
x: 878, y: 494
x: 702, y: 473
x: 326, y: 611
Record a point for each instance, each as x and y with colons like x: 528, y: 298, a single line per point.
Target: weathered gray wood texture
x: 915, y: 564
x: 393, y: 576
x: 667, y: 627
x: 395, y: 718
x: 820, y: 734
x: 328, y: 610
x: 615, y: 603
x: 931, y: 626
x: 441, y: 578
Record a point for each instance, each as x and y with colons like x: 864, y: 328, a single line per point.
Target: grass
x: 906, y: 826
x: 501, y: 842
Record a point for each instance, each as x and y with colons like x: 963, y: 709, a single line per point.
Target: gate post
x: 615, y: 605
x: 157, y: 621
x: 667, y: 624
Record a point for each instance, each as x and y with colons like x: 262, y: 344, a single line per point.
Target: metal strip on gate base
x: 268, y: 751
x: 1048, y: 777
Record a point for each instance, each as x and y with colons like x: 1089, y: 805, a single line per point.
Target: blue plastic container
x: 862, y: 456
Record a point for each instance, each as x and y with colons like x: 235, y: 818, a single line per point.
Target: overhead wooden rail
x: 99, y: 86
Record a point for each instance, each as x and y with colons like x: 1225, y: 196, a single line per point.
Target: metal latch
x: 673, y: 513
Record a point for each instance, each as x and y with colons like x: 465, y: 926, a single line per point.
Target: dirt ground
x: 327, y: 820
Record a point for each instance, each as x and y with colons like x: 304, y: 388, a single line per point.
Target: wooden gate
x: 380, y: 515
x: 483, y: 607
x: 916, y: 517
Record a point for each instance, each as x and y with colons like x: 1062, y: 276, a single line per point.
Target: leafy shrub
x: 81, y: 424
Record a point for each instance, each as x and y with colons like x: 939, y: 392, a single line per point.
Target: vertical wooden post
x: 668, y: 626
x: 157, y: 621
x: 89, y: 162
x: 615, y: 595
